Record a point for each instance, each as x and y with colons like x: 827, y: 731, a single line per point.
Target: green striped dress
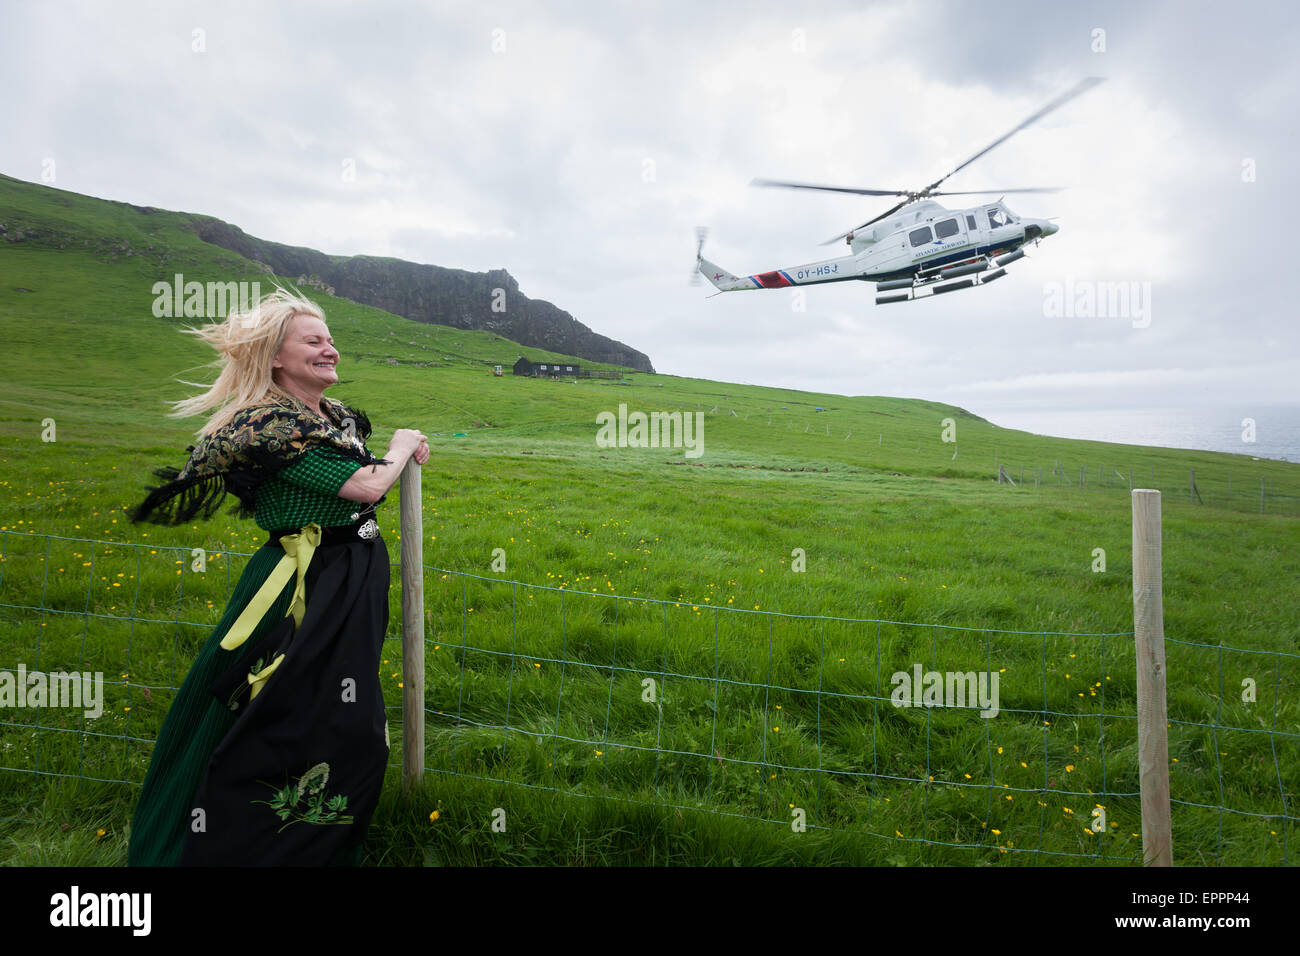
x: 305, y: 492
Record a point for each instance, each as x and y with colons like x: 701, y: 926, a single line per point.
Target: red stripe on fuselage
x: 772, y: 280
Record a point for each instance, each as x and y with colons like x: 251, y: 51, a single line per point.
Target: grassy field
x: 771, y: 683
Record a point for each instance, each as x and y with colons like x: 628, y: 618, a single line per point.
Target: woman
x: 275, y: 747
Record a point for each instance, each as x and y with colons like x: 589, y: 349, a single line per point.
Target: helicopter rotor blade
x: 1079, y: 88
x: 932, y: 190
x: 888, y: 212
x: 984, y: 192
x: 832, y: 189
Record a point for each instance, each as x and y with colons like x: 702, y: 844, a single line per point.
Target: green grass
x: 891, y: 527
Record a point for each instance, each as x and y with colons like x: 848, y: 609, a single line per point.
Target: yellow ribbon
x: 298, y: 551
x: 257, y: 680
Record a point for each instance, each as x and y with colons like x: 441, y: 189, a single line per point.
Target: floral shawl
x: 258, y: 442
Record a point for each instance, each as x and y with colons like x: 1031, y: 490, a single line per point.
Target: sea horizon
x: 1221, y: 428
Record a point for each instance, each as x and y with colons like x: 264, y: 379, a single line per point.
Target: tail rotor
x: 701, y: 233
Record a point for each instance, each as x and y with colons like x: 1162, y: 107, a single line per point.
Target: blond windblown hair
x: 246, y: 343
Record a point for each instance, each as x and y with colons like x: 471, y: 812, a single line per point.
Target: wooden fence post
x: 1149, y: 640
x: 412, y: 628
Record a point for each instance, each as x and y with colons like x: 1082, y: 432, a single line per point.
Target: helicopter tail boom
x: 723, y: 280
x: 813, y: 273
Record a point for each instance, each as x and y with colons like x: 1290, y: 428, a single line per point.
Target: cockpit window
x: 996, y: 217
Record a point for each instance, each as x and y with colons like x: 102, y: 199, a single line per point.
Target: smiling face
x: 307, y: 362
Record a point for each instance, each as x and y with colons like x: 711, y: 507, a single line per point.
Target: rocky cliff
x: 487, y: 301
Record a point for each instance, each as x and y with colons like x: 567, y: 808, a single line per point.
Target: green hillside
x: 167, y: 244
x: 894, y: 523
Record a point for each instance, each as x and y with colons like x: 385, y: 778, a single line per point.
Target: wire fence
x: 1236, y: 487
x: 980, y: 739
x: 1218, y: 489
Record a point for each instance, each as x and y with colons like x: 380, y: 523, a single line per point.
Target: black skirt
x: 296, y: 779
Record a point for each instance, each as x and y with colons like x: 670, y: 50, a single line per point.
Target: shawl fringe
x: 258, y: 444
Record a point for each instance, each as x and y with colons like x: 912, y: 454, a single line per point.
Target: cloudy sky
x: 578, y: 145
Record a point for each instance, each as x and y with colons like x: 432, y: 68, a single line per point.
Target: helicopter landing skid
x: 930, y: 282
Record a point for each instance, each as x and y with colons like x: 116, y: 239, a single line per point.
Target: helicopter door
x: 953, y: 229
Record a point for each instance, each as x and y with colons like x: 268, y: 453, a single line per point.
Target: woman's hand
x: 372, y: 482
x: 409, y: 442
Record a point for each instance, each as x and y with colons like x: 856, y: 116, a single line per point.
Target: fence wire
x: 982, y: 739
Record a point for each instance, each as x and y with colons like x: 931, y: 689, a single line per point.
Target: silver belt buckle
x: 368, y: 530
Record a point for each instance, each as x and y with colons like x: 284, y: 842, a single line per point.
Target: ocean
x: 1213, y: 428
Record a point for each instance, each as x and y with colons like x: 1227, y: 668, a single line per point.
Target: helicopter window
x: 946, y: 228
x: 920, y: 236
x: 996, y: 218
x: 970, y: 223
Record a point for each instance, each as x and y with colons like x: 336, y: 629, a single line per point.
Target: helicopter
x: 912, y: 250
